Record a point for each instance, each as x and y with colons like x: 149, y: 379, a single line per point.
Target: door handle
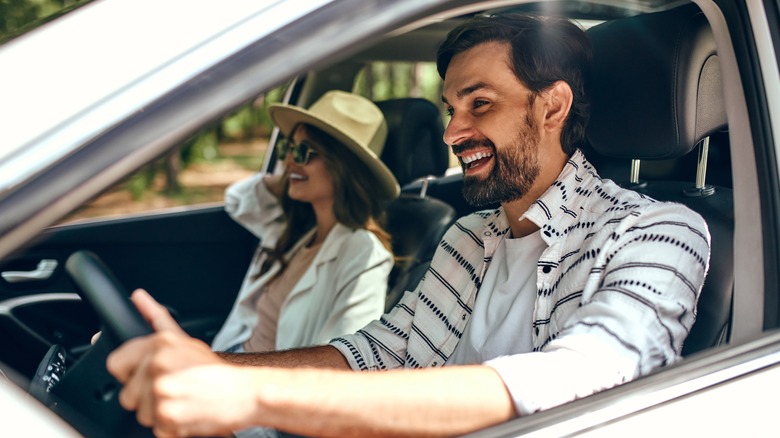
x: 43, y: 271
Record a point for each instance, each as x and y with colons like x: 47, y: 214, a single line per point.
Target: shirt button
x: 488, y: 233
x: 463, y: 317
x: 546, y: 269
x: 434, y: 363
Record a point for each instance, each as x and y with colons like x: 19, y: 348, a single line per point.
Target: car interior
x: 658, y: 125
x: 666, y: 107
x: 414, y: 150
x: 654, y: 121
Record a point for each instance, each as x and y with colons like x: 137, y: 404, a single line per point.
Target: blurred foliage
x: 250, y: 121
x: 245, y: 123
x: 139, y: 182
x: 384, y: 80
x: 19, y: 16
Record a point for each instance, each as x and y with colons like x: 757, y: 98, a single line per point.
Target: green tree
x: 19, y: 16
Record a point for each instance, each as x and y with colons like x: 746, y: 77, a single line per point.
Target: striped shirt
x: 617, y: 288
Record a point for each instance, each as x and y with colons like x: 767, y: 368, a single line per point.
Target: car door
x: 193, y: 261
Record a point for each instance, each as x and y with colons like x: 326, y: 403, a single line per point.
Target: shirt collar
x: 332, y: 245
x: 558, y: 208
x: 496, y: 222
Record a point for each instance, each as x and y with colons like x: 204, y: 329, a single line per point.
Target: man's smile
x: 474, y: 160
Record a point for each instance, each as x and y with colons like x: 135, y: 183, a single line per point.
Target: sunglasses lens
x: 300, y: 153
x: 282, y: 147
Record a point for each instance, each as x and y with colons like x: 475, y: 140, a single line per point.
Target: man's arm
x: 310, y: 357
x: 424, y: 402
x: 179, y: 387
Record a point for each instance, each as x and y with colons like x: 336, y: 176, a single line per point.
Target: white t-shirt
x: 509, y: 290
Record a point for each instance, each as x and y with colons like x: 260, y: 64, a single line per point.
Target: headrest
x: 414, y: 147
x: 655, y: 88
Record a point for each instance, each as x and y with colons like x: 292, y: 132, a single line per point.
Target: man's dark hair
x: 543, y: 50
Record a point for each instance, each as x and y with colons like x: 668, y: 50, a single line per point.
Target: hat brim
x: 287, y: 117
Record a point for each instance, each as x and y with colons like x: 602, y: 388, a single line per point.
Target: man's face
x: 492, y: 129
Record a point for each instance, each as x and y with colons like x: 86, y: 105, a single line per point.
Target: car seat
x: 414, y: 150
x: 656, y: 94
x: 416, y: 225
x: 414, y: 147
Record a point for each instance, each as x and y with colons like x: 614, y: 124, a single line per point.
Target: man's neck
x: 514, y: 210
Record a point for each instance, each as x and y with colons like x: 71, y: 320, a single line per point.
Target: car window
x: 198, y: 170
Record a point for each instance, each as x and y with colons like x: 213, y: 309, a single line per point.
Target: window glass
x: 198, y: 170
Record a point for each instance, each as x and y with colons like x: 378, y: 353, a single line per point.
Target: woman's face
x: 310, y: 182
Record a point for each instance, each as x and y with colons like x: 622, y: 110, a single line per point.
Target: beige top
x: 269, y: 304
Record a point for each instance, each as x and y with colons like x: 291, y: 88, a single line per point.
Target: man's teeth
x: 297, y: 176
x: 474, y: 157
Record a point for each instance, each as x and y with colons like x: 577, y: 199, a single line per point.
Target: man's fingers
x: 123, y: 361
x: 155, y: 313
x: 137, y: 395
x: 118, y: 363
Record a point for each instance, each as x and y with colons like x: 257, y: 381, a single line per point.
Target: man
x: 573, y: 285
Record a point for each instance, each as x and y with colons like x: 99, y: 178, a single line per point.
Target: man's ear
x: 558, y: 99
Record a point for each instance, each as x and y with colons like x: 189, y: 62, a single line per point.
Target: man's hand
x: 175, y: 383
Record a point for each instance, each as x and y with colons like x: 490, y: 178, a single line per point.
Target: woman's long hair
x: 355, y: 205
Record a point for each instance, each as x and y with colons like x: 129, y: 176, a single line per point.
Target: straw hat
x: 354, y: 121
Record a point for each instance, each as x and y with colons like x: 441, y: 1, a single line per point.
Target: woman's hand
x: 275, y: 184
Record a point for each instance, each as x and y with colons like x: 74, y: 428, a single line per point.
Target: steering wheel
x: 100, y: 289
x: 86, y: 394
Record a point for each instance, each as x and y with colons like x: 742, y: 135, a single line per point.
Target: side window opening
x: 198, y: 170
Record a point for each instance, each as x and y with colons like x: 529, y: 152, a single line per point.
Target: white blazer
x: 343, y: 290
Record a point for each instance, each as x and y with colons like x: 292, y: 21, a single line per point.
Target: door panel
x: 192, y: 261
x: 31, y: 324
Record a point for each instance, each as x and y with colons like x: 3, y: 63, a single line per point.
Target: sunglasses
x: 301, y: 152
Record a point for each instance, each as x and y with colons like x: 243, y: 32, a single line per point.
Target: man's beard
x: 514, y: 170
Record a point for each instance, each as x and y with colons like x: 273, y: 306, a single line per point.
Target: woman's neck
x: 326, y: 219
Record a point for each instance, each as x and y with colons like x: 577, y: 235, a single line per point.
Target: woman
x: 321, y: 267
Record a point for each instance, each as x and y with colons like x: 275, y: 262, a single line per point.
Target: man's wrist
x: 267, y: 394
